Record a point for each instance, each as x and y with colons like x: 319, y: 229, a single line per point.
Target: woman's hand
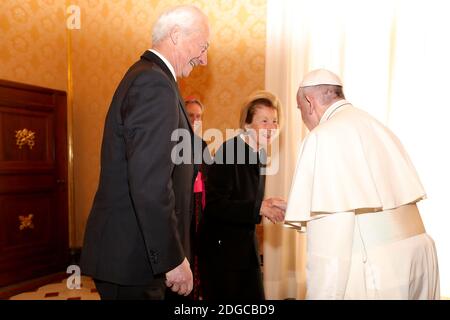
x: 273, y: 209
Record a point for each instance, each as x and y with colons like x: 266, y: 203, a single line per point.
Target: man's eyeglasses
x: 204, y: 47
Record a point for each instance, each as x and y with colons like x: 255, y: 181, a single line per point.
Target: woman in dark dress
x: 230, y: 266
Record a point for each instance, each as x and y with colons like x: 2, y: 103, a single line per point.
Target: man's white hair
x: 183, y: 16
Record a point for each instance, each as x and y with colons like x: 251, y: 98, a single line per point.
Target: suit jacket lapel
x: 148, y: 55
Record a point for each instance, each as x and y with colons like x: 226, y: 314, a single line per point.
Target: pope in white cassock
x: 355, y: 189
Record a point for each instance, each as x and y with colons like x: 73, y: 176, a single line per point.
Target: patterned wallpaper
x: 33, y: 42
x: 113, y: 34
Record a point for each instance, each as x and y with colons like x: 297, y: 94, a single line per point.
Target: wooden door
x: 33, y: 182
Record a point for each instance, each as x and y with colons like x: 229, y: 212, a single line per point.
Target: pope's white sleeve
x: 329, y: 252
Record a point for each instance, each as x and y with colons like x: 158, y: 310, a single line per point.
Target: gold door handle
x: 26, y: 222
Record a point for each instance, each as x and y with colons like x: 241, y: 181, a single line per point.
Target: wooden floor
x: 53, y: 287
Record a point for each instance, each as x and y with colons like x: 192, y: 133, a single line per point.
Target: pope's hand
x: 280, y: 203
x: 273, y: 209
x: 180, y: 279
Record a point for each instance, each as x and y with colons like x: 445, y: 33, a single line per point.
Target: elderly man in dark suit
x: 137, y: 238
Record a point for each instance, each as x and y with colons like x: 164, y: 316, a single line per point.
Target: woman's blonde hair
x: 254, y: 101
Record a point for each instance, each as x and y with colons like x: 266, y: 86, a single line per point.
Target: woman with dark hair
x: 229, y: 260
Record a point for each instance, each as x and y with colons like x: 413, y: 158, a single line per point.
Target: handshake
x: 273, y: 209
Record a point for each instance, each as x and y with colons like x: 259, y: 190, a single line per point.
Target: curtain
x: 393, y: 58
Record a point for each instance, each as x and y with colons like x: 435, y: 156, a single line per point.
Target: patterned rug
x: 60, y: 291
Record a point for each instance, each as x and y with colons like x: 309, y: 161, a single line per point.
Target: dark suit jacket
x: 139, y: 224
x: 234, y: 192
